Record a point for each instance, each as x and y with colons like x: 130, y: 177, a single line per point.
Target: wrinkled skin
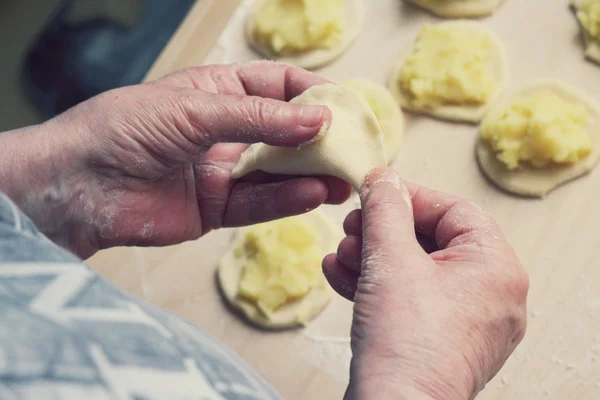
x: 440, y: 297
x: 151, y: 164
x: 434, y: 318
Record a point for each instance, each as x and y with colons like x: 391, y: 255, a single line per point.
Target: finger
x: 264, y: 79
x: 247, y: 119
x: 349, y: 252
x: 353, y: 223
x: 343, y: 280
x: 276, y: 80
x: 353, y: 226
x: 339, y: 191
x: 427, y: 244
x: 250, y: 203
x: 388, y: 225
x: 214, y: 185
x: 450, y: 220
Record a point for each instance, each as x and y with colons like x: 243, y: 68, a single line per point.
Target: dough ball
x: 348, y: 149
x: 386, y: 110
x: 588, y: 16
x: 285, y: 287
x: 559, y: 154
x: 453, y: 71
x: 458, y: 8
x: 288, y: 14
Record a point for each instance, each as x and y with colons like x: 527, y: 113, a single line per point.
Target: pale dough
x: 538, y: 182
x: 463, y: 113
x: 292, y: 314
x: 592, y: 45
x: 348, y: 149
x: 354, y: 20
x: 390, y: 115
x: 458, y: 8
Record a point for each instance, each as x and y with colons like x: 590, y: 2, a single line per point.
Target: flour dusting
x: 325, y: 342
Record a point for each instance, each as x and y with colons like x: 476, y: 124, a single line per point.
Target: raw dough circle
x: 391, y: 119
x: 348, y: 149
x: 592, y: 45
x: 458, y: 8
x: 538, y: 182
x: 498, y: 63
x: 230, y: 270
x: 354, y: 20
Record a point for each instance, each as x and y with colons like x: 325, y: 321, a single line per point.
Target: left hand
x: 151, y: 164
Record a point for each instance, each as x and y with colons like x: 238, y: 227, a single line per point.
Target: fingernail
x: 387, y: 176
x: 311, y: 116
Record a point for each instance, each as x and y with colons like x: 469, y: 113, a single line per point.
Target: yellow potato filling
x: 383, y: 105
x: 371, y: 97
x: 295, y: 26
x: 539, y: 130
x: 588, y: 14
x: 448, y: 66
x: 281, y: 263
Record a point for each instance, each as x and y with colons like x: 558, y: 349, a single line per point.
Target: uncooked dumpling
x: 588, y: 18
x: 348, y: 149
x: 453, y: 71
x: 289, y: 271
x: 458, y: 8
x: 386, y: 110
x: 527, y: 179
x: 354, y: 20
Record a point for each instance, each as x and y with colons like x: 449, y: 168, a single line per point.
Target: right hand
x: 435, y: 324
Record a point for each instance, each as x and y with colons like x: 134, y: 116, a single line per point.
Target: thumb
x: 250, y: 119
x: 387, y: 220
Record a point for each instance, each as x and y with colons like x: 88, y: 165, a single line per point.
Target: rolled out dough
x: 538, y: 182
x: 348, y: 149
x: 354, y: 20
x: 293, y: 314
x: 390, y: 115
x: 592, y: 45
x: 458, y: 8
x: 498, y: 63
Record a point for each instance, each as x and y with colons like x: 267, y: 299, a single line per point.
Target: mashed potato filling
x: 588, y: 13
x: 294, y: 26
x: 448, y: 66
x: 282, y: 263
x: 539, y: 130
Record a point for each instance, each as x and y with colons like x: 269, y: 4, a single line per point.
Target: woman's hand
x: 426, y: 326
x: 151, y: 164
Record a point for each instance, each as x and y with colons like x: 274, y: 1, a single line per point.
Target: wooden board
x: 557, y: 238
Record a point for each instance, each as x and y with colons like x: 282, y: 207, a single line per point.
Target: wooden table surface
x: 556, y: 238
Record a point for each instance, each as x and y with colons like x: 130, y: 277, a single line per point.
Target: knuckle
x: 520, y: 327
x: 515, y: 282
x: 190, y: 75
x: 197, y: 70
x: 516, y: 324
x: 470, y: 208
x: 264, y: 113
x: 521, y: 283
x: 511, y: 283
x: 511, y: 286
x: 379, y: 209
